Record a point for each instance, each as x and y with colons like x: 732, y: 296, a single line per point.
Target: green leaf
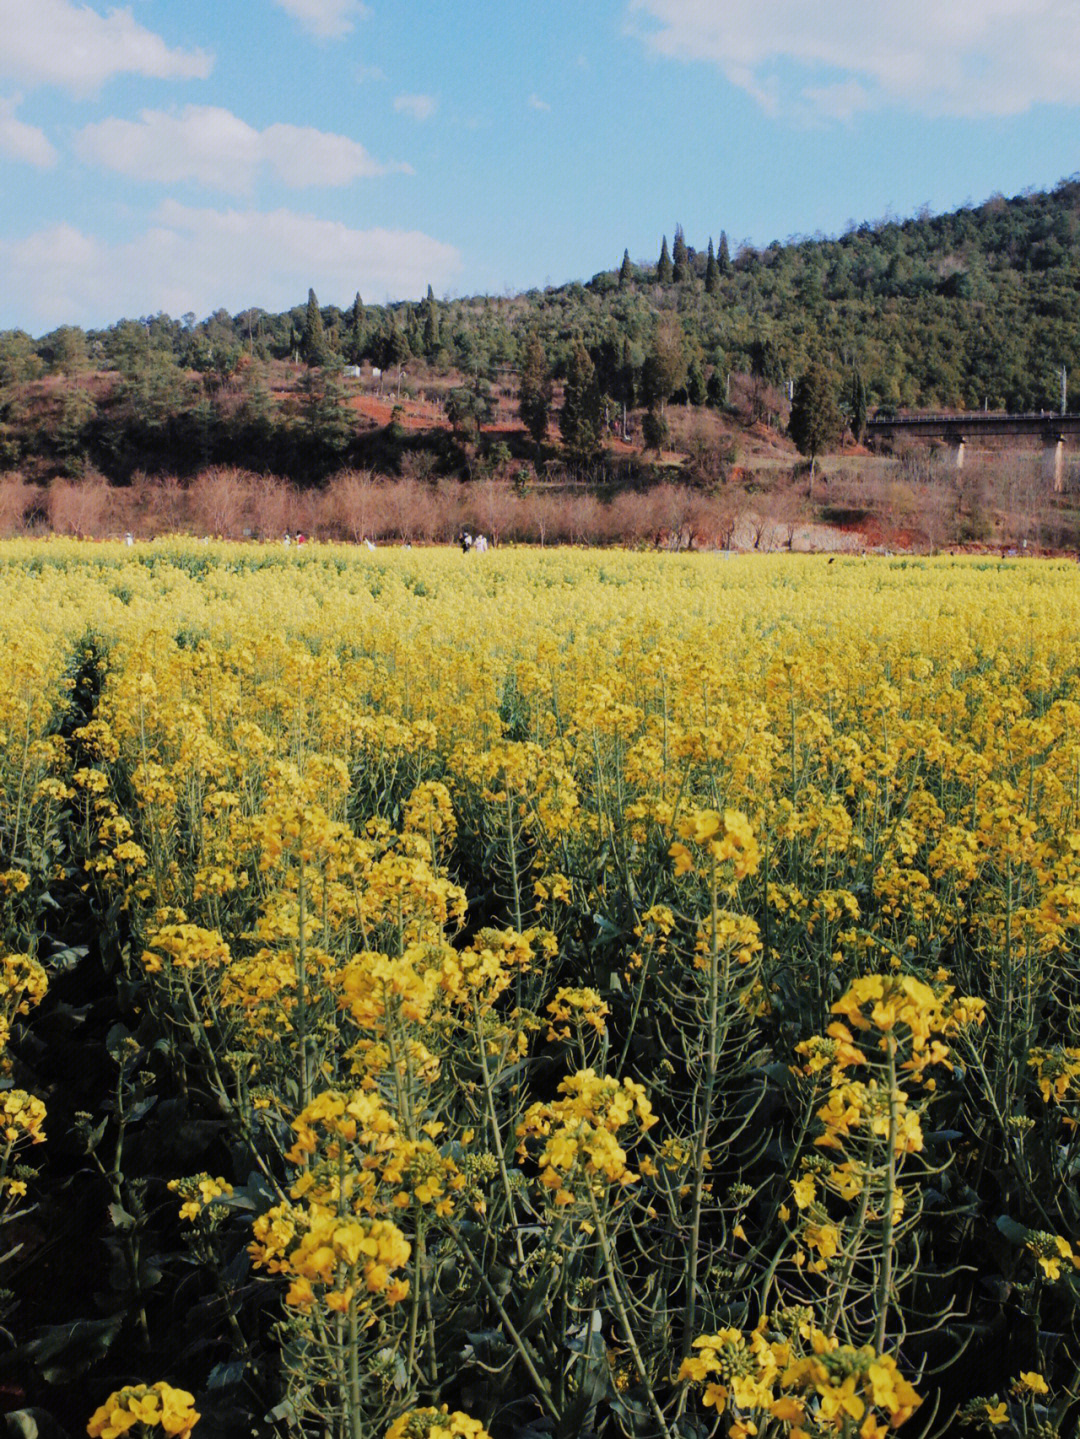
x: 1013, y: 1232
x: 63, y: 1352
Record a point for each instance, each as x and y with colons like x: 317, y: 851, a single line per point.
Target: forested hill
x: 980, y: 305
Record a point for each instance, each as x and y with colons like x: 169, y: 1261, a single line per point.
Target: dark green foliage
x: 723, y: 256
x: 665, y: 271
x: 857, y: 406
x: 431, y: 325
x: 696, y: 390
x: 313, y: 344
x: 356, y: 332
x: 626, y: 271
x: 680, y: 258
x: 581, y: 417
x: 654, y: 430
x: 815, y: 418
x: 664, y: 370
x: 712, y: 272
x: 534, y: 390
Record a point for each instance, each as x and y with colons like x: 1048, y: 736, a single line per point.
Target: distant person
x: 466, y: 542
x: 370, y: 544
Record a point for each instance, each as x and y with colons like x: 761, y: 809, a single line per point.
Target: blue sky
x: 186, y: 155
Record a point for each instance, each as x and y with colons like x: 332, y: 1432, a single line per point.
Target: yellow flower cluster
x: 810, y: 1383
x: 722, y: 839
x: 143, y: 1408
x: 579, y: 1133
x: 436, y: 1424
x: 335, y: 1260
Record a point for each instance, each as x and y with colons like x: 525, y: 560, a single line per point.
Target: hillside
x: 971, y: 308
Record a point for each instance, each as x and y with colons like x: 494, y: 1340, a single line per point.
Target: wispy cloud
x: 326, y: 19
x: 20, y: 141
x: 535, y: 103
x: 200, y: 259
x: 57, y: 42
x: 215, y: 147
x: 420, y: 107
x: 970, y: 57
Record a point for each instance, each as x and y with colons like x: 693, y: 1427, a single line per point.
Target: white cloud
x: 59, y: 42
x: 968, y: 57
x: 20, y: 141
x: 326, y: 19
x: 535, y: 103
x: 200, y: 259
x: 217, y: 148
x: 420, y: 107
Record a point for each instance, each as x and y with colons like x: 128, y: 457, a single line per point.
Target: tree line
x: 967, y: 309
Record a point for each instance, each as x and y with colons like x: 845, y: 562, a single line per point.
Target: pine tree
x: 696, y: 391
x: 664, y: 370
x: 431, y: 325
x: 535, y: 390
x: 712, y: 273
x: 857, y: 406
x: 355, y: 342
x: 626, y: 271
x: 815, y: 418
x: 313, y: 343
x: 664, y: 268
x: 723, y: 255
x: 680, y: 258
x: 580, y: 417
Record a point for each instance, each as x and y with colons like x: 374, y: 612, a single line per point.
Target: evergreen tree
x: 626, y: 271
x: 313, y: 344
x: 723, y: 255
x: 696, y: 391
x: 857, y: 406
x: 535, y: 390
x: 712, y: 272
x: 654, y: 430
x: 815, y: 418
x: 356, y: 330
x: 664, y: 269
x: 431, y: 325
x: 664, y: 370
x: 581, y: 415
x: 680, y: 258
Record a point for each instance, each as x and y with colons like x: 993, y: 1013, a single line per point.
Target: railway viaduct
x: 958, y: 430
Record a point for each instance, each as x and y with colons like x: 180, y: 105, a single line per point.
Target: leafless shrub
x: 18, y: 500
x: 79, y: 508
x: 218, y: 500
x: 354, y: 504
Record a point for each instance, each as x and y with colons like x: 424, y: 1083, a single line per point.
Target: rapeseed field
x: 543, y: 993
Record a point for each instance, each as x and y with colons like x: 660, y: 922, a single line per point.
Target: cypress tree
x: 680, y: 257
x: 626, y: 271
x: 664, y: 268
x: 534, y: 390
x: 431, y: 325
x: 313, y: 344
x: 815, y: 419
x: 857, y: 405
x: 712, y: 272
x: 356, y: 329
x: 723, y: 255
x: 580, y: 416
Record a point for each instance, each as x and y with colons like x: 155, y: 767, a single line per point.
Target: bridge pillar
x: 1054, y: 460
x: 958, y: 444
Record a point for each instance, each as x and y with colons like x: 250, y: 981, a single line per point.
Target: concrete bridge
x: 958, y: 429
